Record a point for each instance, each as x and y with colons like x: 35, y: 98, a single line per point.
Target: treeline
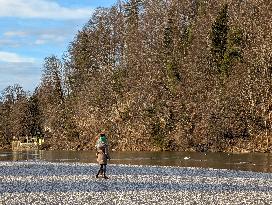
x: 156, y: 75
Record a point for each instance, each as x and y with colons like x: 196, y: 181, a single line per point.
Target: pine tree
x: 35, y: 117
x: 172, y: 73
x: 219, y: 38
x: 226, y: 43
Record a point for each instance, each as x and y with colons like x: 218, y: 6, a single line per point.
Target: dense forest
x: 192, y: 75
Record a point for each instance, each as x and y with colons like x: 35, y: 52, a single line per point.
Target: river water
x: 258, y: 162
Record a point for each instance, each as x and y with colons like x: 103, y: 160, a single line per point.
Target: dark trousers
x: 102, y: 169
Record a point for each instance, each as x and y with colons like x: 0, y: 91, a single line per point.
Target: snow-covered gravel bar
x: 36, y: 182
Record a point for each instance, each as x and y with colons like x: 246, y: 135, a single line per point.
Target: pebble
x: 38, y: 182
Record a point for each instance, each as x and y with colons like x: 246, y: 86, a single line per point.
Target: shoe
x: 96, y: 176
x: 105, y: 177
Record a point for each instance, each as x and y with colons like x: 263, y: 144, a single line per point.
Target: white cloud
x: 54, y: 37
x: 38, y: 37
x: 49, y: 38
x: 40, y: 42
x: 25, y: 74
x: 9, y: 43
x: 43, y: 9
x: 14, y: 58
x: 15, y: 33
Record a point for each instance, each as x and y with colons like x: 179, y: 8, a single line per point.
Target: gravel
x: 37, y: 182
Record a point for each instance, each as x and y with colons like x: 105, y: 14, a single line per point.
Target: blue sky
x: 31, y: 30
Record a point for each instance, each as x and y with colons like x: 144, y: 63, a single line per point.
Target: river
x: 258, y: 162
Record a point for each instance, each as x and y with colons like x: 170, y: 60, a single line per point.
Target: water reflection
x: 259, y: 162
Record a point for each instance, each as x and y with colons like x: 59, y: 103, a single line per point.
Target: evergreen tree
x: 219, y: 38
x: 226, y: 43
x: 172, y: 73
x: 35, y: 116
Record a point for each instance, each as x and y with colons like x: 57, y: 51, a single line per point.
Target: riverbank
x: 35, y: 182
x: 254, y: 144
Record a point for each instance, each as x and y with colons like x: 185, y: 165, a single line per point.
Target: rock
x: 36, y: 182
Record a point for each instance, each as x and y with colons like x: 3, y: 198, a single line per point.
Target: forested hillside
x: 156, y: 75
